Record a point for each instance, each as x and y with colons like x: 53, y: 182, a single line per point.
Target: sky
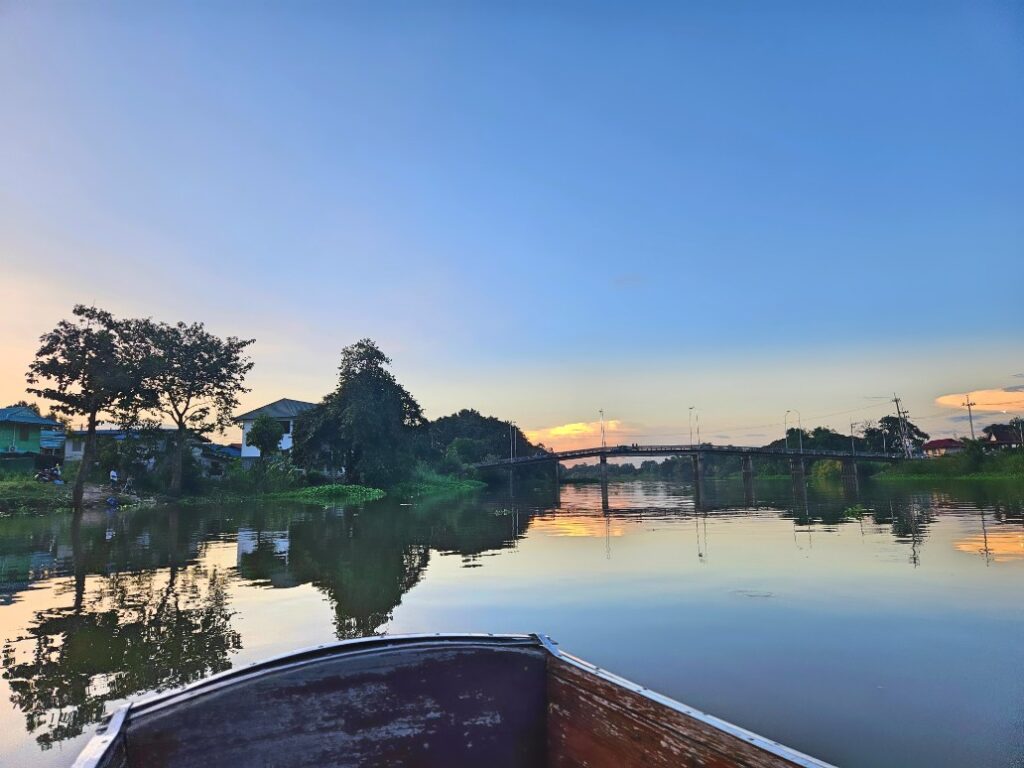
x: 539, y: 211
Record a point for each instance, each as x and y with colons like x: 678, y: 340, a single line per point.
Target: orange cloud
x: 986, y: 400
x: 578, y: 434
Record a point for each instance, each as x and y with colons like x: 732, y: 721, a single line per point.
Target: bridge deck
x: 620, y: 451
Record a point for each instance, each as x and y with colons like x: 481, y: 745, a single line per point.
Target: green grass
x: 21, y: 493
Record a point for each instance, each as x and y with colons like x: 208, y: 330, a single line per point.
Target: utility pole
x: 970, y: 414
x: 903, y: 426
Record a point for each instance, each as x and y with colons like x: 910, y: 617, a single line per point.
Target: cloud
x: 993, y: 400
x: 576, y: 434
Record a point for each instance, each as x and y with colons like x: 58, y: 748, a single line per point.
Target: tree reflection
x: 141, y: 631
x: 366, y: 561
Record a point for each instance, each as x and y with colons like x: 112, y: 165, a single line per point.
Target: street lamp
x: 800, y: 429
x: 511, y: 440
x: 691, y: 426
x: 785, y: 428
x: 604, y: 443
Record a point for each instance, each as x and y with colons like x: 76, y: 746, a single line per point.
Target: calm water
x: 883, y: 629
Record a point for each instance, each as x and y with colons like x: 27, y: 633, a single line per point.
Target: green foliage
x: 971, y: 462
x: 333, y: 492
x: 87, y: 366
x: 193, y: 378
x: 276, y: 474
x: 20, y: 492
x: 828, y: 469
x: 427, y: 482
x: 369, y: 427
x: 265, y: 435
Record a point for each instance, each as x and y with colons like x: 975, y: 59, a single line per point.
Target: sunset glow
x: 991, y: 400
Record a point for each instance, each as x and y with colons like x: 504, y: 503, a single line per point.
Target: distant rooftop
x: 279, y: 409
x: 19, y: 414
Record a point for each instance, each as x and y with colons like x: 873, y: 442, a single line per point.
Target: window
x: 23, y: 434
x: 77, y: 446
x: 286, y: 427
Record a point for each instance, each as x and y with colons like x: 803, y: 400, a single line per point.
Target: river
x: 879, y: 628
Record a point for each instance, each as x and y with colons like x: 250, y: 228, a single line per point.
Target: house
x: 155, y: 440
x: 285, y: 411
x: 21, y: 428
x: 214, y: 458
x: 942, y: 447
x: 1002, y: 436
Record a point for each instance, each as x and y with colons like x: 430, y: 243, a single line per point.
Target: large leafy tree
x: 888, y: 435
x: 195, y: 380
x: 368, y: 427
x: 89, y: 366
x: 265, y: 435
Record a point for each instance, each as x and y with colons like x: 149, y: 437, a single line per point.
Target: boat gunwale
x: 110, y: 728
x: 768, y: 745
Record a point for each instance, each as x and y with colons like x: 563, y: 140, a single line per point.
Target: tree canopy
x: 194, y: 380
x: 369, y: 426
x: 90, y: 365
x: 265, y: 435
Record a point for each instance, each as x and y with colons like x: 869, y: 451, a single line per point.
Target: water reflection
x: 125, y: 633
x: 137, y: 600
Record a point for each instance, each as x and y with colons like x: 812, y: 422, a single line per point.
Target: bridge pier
x: 797, y: 469
x: 850, y: 478
x: 747, y: 464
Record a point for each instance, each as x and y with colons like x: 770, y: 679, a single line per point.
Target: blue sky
x: 538, y: 210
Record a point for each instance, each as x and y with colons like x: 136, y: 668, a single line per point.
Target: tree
x: 195, y: 381
x: 89, y: 366
x: 265, y: 435
x: 887, y: 436
x: 367, y: 427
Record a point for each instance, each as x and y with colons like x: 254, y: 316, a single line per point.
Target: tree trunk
x: 88, y: 452
x: 178, y: 465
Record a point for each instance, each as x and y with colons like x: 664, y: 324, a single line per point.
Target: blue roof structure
x: 19, y: 414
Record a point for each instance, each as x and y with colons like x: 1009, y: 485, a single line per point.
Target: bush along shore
x: 970, y: 464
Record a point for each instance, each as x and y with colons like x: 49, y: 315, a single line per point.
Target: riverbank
x: 969, y: 465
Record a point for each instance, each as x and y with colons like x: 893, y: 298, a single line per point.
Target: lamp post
x: 604, y: 442
x: 511, y: 440
x: 785, y: 428
x: 691, y: 426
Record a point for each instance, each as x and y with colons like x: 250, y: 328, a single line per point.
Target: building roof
x: 279, y: 409
x: 945, y: 442
x: 1002, y: 433
x: 19, y: 414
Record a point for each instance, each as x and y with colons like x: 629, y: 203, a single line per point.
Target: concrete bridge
x: 798, y: 460
x: 698, y: 451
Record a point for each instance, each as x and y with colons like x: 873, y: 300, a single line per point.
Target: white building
x: 285, y: 411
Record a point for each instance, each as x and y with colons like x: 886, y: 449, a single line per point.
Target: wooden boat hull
x: 420, y: 701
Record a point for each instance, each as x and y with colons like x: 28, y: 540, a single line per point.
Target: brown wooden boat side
x: 596, y: 722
